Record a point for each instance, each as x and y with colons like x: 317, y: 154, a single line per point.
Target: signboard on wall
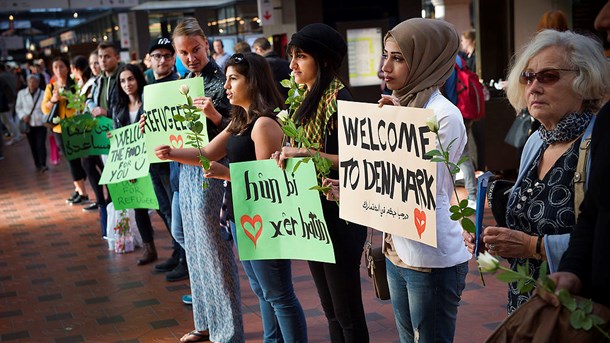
x: 265, y: 12
x: 364, y: 49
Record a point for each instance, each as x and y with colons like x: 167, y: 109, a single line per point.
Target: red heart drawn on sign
x: 176, y: 141
x: 252, y: 221
x: 420, y: 221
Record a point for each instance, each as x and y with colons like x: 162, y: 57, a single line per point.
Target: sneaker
x: 167, y: 266
x: 92, y: 207
x: 181, y: 272
x: 187, y: 299
x: 72, y: 197
x: 80, y: 199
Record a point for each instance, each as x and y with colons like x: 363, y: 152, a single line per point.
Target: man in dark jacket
x: 279, y: 66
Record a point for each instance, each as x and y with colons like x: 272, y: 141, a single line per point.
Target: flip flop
x: 197, y: 337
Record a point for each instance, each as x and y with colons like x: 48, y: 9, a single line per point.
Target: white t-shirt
x: 132, y: 116
x: 450, y: 249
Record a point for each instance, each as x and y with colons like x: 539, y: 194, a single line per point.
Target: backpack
x: 471, y: 99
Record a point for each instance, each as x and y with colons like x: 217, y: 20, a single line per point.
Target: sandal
x: 195, y: 336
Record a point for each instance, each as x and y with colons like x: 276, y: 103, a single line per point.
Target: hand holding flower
x: 217, y: 171
x: 333, y: 193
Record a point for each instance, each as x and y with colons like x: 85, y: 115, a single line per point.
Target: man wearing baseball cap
x: 162, y: 60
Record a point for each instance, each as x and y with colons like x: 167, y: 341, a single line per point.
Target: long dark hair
x: 327, y: 72
x: 261, y: 85
x: 122, y: 97
x: 81, y: 63
x: 69, y: 81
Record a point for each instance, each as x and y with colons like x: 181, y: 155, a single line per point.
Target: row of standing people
x: 317, y: 52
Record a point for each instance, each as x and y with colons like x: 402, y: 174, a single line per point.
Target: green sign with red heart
x: 277, y: 216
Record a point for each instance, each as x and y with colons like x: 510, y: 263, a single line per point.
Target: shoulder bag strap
x: 582, y: 169
x: 35, y: 101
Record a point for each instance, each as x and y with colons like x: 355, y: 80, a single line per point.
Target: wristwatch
x: 537, y: 254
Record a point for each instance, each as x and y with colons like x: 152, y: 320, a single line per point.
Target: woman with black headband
x: 317, y: 52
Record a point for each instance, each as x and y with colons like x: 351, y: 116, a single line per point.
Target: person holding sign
x: 253, y: 134
x: 212, y: 267
x: 426, y: 283
x: 127, y: 110
x: 317, y: 52
x: 53, y: 99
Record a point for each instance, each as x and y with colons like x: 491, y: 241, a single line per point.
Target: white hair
x: 583, y: 53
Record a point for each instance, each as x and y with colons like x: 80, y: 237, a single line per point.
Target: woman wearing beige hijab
x: 426, y: 283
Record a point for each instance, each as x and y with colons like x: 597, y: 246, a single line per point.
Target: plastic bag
x: 124, y: 239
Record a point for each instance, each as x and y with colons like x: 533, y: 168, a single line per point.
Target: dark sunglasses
x: 546, y: 77
x: 237, y: 58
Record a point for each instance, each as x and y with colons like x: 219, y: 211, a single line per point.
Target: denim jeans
x: 176, y: 226
x: 425, y: 304
x: 282, y: 314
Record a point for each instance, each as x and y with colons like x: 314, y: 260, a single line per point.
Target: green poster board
x: 276, y: 215
x: 79, y: 142
x: 161, y: 101
x: 138, y: 193
x: 127, y: 157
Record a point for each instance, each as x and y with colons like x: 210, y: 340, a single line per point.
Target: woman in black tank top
x: 253, y: 134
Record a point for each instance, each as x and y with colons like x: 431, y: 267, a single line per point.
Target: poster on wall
x: 386, y: 181
x: 364, y: 49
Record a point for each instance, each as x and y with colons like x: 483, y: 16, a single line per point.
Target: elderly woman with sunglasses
x: 562, y: 79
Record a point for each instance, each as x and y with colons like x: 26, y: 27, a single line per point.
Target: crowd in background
x: 556, y: 78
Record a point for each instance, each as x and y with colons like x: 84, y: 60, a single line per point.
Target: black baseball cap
x: 161, y: 43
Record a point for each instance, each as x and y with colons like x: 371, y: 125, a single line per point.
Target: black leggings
x: 93, y: 168
x: 144, y: 225
x: 37, y: 137
x: 338, y: 284
x: 76, y: 168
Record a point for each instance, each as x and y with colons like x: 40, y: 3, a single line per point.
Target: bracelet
x: 538, y: 244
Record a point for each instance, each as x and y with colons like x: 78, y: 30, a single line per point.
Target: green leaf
x: 586, y: 305
x: 296, y: 166
x: 543, y: 277
x: 189, y: 100
x: 467, y: 212
x: 456, y: 216
x: 434, y: 152
x: 437, y: 159
x: 321, y: 189
x: 566, y: 300
x: 509, y: 276
x: 587, y: 323
x: 577, y: 319
x: 285, y: 83
x: 468, y: 225
x: 527, y: 287
x: 596, y: 320
x: 454, y: 209
x: 179, y: 118
x: 289, y: 131
x: 462, y: 160
x: 197, y: 127
x: 464, y: 203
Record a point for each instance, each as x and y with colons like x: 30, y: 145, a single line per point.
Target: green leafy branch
x: 460, y: 212
x: 192, y: 116
x: 77, y: 102
x: 296, y: 94
x: 581, y: 311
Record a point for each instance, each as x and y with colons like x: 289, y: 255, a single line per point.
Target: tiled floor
x: 59, y: 283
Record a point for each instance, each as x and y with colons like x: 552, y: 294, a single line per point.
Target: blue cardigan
x: 554, y: 245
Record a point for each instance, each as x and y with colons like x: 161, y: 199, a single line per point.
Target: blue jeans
x: 176, y: 225
x: 282, y: 314
x: 425, y: 304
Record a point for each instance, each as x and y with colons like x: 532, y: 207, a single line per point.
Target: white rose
x: 184, y: 89
x: 432, y: 124
x: 488, y: 263
x: 56, y: 120
x: 282, y: 116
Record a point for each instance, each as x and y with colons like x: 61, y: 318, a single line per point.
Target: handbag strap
x: 35, y: 101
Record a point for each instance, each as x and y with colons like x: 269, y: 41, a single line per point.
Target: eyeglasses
x: 237, y: 58
x: 158, y: 57
x: 546, y: 77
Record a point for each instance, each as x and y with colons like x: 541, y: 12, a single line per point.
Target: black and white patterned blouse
x: 542, y: 207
